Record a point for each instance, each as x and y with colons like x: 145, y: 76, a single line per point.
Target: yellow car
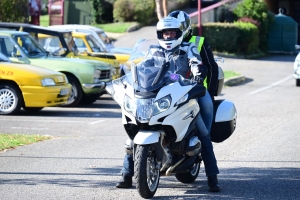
x: 30, y: 87
x: 52, y: 44
x: 89, y: 46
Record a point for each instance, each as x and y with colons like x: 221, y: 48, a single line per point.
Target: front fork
x: 155, y: 139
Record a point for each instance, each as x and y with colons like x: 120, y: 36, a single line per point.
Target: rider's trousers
x: 203, y: 124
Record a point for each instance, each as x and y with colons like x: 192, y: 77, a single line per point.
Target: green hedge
x: 13, y: 10
x: 239, y: 37
x: 134, y: 10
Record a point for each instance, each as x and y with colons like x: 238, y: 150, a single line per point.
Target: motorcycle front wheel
x: 145, y: 173
x: 189, y: 176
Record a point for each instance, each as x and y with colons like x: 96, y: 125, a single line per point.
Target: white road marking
x: 95, y: 122
x: 32, y: 120
x: 270, y: 86
x: 29, y: 128
x: 52, y: 121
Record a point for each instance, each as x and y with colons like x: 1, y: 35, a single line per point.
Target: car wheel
x: 76, y: 92
x: 298, y: 82
x: 11, y: 99
x: 89, y: 99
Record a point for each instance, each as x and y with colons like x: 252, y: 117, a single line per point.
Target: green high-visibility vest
x: 198, y: 41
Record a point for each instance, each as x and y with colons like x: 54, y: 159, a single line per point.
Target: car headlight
x: 162, y: 105
x: 129, y: 105
x: 97, y: 75
x: 48, y: 82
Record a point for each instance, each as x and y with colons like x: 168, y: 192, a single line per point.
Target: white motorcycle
x: 159, y: 110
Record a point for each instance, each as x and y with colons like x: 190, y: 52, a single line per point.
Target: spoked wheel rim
x: 73, y: 95
x: 152, y: 172
x: 8, y: 100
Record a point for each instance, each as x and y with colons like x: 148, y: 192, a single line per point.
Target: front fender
x: 146, y: 137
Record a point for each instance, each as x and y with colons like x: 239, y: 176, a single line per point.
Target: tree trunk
x: 159, y: 13
x: 165, y: 8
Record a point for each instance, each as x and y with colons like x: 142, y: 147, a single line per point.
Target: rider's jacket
x: 209, y: 61
x: 183, y: 57
x: 198, y: 41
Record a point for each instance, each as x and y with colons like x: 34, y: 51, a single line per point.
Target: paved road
x: 259, y: 161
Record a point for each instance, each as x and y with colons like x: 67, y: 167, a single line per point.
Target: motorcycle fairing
x: 146, y: 137
x: 181, y: 119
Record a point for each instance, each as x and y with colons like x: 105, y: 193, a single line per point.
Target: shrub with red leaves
x: 248, y: 19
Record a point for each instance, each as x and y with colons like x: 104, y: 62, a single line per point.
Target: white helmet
x: 184, y: 19
x: 169, y: 23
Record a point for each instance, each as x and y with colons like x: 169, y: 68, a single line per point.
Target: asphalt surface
x: 83, y: 161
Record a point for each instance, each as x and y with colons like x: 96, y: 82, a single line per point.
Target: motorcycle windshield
x: 151, y: 67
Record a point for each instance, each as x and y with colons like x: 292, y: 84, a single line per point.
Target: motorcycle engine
x: 190, y: 146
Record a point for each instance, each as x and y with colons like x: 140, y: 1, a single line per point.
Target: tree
x: 257, y: 10
x: 13, y: 10
x: 161, y: 8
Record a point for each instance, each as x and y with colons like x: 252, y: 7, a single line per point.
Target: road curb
x: 234, y: 80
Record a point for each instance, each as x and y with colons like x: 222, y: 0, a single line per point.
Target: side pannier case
x: 224, y: 122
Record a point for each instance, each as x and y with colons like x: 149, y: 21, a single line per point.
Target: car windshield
x: 31, y: 48
x: 104, y: 37
x: 90, y: 41
x: 55, y: 46
x: 3, y: 58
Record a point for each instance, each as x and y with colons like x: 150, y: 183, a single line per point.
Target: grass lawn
x: 230, y: 74
x: 44, y: 20
x: 115, y: 27
x: 8, y: 141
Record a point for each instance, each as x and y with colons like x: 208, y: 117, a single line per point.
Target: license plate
x: 64, y: 92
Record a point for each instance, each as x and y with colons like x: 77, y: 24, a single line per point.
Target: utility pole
x: 199, y: 19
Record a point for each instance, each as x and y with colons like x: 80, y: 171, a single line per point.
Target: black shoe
x: 213, y: 183
x: 125, y: 182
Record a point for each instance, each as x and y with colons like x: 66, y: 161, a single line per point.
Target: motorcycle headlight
x: 129, y: 105
x: 48, y: 82
x: 162, y: 105
x: 144, y: 109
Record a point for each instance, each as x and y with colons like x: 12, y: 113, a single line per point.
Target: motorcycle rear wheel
x: 145, y: 173
x: 190, y: 176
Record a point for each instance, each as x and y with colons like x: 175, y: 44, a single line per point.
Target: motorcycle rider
x: 211, y: 80
x: 203, y: 48
x: 170, y: 36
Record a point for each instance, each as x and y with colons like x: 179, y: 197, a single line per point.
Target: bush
x: 239, y: 37
x: 257, y: 10
x: 123, y: 11
x: 134, y: 10
x: 226, y: 14
x: 222, y: 37
x: 102, y: 11
x: 13, y: 10
x: 144, y: 11
x: 248, y: 40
